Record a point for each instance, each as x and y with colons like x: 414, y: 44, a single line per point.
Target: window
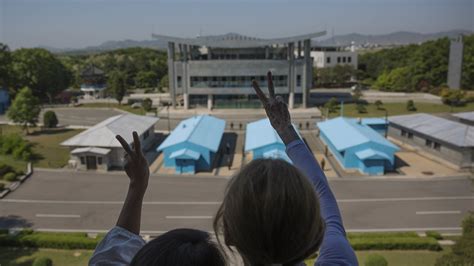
x: 328, y: 60
x: 339, y: 59
x: 179, y: 82
x: 146, y: 134
x: 428, y: 143
x: 437, y: 146
x: 410, y: 135
x: 83, y: 160
x: 404, y: 133
x: 298, y: 81
x: 349, y: 59
x: 343, y: 59
x: 99, y: 160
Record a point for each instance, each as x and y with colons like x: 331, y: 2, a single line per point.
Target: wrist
x: 288, y: 134
x: 137, y: 187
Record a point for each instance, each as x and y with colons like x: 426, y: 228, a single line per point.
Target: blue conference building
x: 357, y: 145
x: 4, y: 101
x: 263, y: 141
x: 193, y: 144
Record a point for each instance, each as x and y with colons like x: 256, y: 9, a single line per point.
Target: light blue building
x: 193, y: 144
x: 263, y: 141
x: 4, y: 101
x: 356, y: 145
x: 378, y: 124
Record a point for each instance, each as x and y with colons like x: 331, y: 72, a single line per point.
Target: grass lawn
x: 26, y: 256
x: 399, y: 109
x: 125, y: 107
x: 401, y: 257
x: 46, y: 145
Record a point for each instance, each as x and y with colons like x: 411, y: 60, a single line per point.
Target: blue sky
x: 80, y: 23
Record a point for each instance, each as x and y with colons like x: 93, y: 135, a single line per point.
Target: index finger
x: 271, y: 88
x: 260, y: 93
x: 124, y: 144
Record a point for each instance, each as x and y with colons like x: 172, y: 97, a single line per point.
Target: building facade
x: 448, y: 140
x: 262, y: 141
x: 4, y: 101
x: 98, y: 149
x: 192, y: 146
x: 332, y: 56
x: 356, y: 145
x: 94, y: 82
x: 223, y: 67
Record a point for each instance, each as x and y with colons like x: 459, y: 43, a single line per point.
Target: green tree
x: 452, y: 97
x: 361, y: 108
x: 411, y: 106
x: 164, y: 84
x: 41, y: 71
x: 378, y: 104
x: 147, y: 104
x: 25, y: 109
x: 331, y: 105
x: 146, y: 79
x: 117, y: 85
x: 5, y: 65
x: 50, y: 120
x: 398, y: 79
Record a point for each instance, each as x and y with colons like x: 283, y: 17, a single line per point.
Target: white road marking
x: 437, y: 212
x: 97, y: 202
x: 57, y: 215
x: 189, y: 217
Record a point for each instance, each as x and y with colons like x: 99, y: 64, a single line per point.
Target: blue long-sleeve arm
x: 335, y: 249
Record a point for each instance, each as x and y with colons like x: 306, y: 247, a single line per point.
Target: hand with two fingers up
x: 136, y: 165
x: 277, y: 111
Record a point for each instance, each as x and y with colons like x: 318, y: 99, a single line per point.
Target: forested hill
x: 415, y: 67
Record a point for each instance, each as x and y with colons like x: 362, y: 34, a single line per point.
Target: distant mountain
x: 395, y: 38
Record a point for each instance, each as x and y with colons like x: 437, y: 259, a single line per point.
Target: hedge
x: 405, y: 243
x: 382, y: 235
x: 10, y: 177
x: 434, y: 234
x: 375, y: 260
x: 42, y: 261
x: 49, y: 240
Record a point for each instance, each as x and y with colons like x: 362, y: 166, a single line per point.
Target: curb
x: 15, y: 185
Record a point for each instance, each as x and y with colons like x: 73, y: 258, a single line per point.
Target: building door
x: 91, y: 163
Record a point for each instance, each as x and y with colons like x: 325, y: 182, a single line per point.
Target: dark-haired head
x: 270, y: 214
x: 180, y: 247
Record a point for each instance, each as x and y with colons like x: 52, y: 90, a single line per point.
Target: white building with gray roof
x: 98, y: 149
x: 449, y: 140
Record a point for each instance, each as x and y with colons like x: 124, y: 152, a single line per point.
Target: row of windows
x: 429, y: 143
x: 343, y: 59
x: 237, y: 81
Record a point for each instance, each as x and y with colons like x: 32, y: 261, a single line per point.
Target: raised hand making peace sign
x: 136, y: 166
x: 277, y: 111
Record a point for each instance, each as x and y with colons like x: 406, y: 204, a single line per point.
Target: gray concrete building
x: 455, y: 63
x: 210, y: 68
x: 448, y: 140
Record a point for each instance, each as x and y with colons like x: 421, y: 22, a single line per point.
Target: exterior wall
x: 206, y: 68
x: 462, y: 157
x: 258, y: 153
x: 4, y: 101
x: 320, y: 58
x: 203, y: 163
x: 100, y: 167
x: 349, y: 160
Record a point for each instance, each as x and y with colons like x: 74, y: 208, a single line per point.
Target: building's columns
x: 209, y: 101
x: 307, y: 81
x: 171, y: 74
x: 184, y: 78
x: 209, y: 53
x: 299, y: 49
x: 267, y: 52
x: 291, y: 74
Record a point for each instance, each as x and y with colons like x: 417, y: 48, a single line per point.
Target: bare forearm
x: 130, y: 216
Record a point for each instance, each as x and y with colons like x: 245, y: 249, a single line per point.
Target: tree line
x: 47, y: 74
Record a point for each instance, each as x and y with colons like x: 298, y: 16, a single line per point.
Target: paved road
x: 54, y: 200
x: 80, y: 116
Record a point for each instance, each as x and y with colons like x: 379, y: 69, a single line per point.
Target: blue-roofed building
x: 378, y: 124
x: 193, y: 144
x: 357, y: 146
x: 263, y: 141
x: 4, y: 101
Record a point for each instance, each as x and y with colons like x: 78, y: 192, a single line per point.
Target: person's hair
x: 180, y: 247
x: 270, y: 214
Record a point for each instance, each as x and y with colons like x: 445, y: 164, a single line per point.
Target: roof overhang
x: 236, y: 40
